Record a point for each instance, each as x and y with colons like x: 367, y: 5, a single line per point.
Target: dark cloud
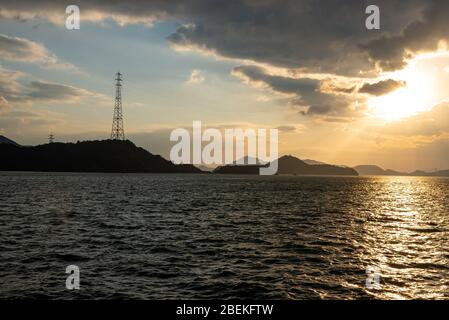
x: 303, y: 93
x: 277, y: 83
x: 390, y: 51
x: 318, y: 35
x: 382, y: 87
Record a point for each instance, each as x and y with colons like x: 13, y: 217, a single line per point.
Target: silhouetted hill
x: 87, y: 156
x: 293, y: 165
x: 4, y: 140
x: 289, y: 165
x: 441, y: 173
x: 372, y: 170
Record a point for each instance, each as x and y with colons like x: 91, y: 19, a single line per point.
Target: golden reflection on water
x: 406, y: 237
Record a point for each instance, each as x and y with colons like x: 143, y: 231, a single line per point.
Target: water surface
x: 150, y: 236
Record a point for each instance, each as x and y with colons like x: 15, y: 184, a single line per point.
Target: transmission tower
x: 51, y: 138
x: 118, y: 132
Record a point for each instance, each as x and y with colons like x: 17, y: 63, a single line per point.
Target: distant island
x: 373, y: 170
x: 290, y: 165
x: 87, y: 156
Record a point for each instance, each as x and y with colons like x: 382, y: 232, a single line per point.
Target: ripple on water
x: 186, y: 236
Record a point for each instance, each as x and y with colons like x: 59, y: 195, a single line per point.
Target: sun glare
x: 416, y: 96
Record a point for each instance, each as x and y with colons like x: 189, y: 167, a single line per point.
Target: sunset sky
x: 338, y: 93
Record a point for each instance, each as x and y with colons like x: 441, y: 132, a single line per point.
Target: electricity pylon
x: 118, y: 132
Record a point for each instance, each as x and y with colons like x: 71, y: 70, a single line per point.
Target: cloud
x: 93, y: 11
x: 40, y: 90
x: 303, y: 93
x: 18, y: 96
x: 10, y: 88
x: 4, y: 105
x: 382, y: 87
x: 286, y: 128
x: 391, y: 51
x: 262, y: 98
x: 314, y: 35
x: 296, y: 36
x: 17, y: 92
x: 330, y: 87
x: 196, y: 77
x: 24, y: 50
x: 26, y: 122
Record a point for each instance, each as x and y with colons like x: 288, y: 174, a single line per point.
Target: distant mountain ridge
x: 87, y: 156
x: 289, y: 165
x: 439, y: 173
x: 373, y: 170
x: 292, y: 165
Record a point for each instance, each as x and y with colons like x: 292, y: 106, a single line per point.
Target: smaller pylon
x: 51, y: 138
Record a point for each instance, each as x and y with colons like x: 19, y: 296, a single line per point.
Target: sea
x: 170, y: 236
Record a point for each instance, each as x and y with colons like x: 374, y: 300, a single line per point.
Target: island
x: 289, y: 165
x: 87, y: 156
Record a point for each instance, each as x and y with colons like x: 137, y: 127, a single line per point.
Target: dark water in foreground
x: 204, y: 236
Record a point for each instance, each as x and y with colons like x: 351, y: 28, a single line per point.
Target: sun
x: 417, y: 95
